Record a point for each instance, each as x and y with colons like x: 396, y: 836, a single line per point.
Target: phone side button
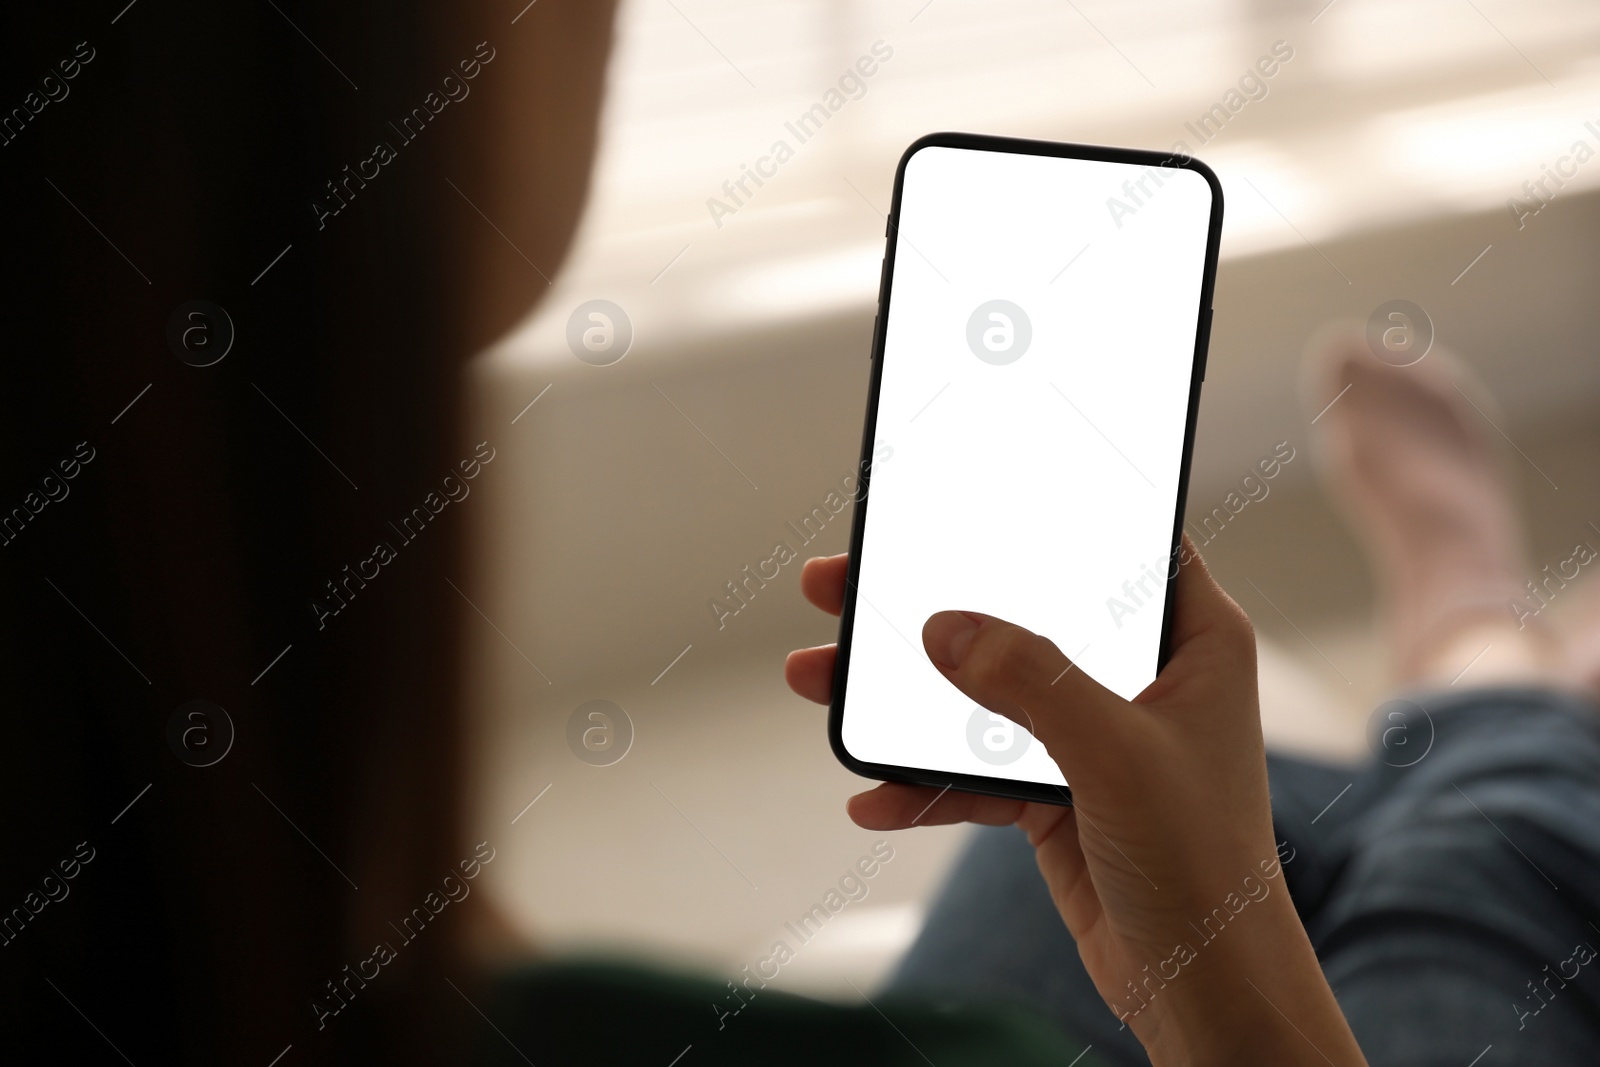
x: 1205, y: 343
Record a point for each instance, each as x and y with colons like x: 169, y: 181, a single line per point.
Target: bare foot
x: 1583, y: 643
x: 1415, y: 466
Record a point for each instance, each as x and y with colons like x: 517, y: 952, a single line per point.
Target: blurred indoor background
x: 1379, y: 161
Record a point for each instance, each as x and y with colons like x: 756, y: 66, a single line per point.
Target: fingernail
x: 948, y: 634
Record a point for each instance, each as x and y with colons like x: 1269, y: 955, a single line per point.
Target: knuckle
x: 1241, y: 632
x: 1003, y: 658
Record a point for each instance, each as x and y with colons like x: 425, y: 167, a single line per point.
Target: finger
x: 809, y: 672
x: 1053, y: 832
x: 1016, y: 673
x: 822, y: 581
x: 1203, y: 609
x: 897, y: 806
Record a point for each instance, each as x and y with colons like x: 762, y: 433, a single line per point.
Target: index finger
x: 822, y: 581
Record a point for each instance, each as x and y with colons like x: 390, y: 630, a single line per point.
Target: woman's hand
x: 1164, y: 869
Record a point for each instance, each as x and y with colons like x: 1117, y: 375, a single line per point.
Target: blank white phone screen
x: 1035, y: 387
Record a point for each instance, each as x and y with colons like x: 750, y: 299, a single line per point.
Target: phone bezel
x: 976, y: 783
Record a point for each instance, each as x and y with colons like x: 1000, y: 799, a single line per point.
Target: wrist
x: 1254, y: 995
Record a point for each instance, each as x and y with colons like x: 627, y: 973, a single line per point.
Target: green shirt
x: 600, y: 1012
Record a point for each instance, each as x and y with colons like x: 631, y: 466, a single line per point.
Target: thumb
x: 1016, y: 673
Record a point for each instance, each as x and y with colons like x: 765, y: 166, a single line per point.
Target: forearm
x: 1259, y: 998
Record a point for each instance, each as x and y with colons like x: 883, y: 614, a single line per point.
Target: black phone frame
x: 976, y: 783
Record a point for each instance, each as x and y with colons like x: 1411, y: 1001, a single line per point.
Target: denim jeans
x: 1451, y: 890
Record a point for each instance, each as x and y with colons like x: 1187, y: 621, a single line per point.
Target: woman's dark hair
x: 247, y: 256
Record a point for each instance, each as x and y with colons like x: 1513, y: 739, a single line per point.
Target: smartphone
x: 1043, y: 317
